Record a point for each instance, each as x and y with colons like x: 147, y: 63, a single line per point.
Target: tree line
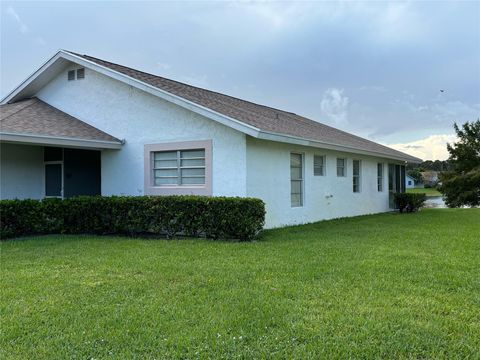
x: 431, y: 165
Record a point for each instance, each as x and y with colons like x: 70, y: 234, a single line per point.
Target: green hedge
x: 409, y: 202
x: 213, y: 217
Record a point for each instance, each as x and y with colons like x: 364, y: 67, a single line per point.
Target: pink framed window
x: 179, y: 168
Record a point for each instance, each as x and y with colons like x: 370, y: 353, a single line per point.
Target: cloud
x: 455, y: 111
x: 433, y: 147
x: 398, y: 22
x: 268, y: 13
x: 22, y: 27
x: 276, y: 15
x: 334, y: 106
x: 373, y: 88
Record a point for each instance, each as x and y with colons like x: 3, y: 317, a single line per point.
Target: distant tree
x: 461, y: 186
x: 437, y: 165
x: 429, y: 165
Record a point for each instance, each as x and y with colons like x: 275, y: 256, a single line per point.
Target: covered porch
x: 45, y: 152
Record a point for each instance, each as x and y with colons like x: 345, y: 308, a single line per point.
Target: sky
x: 375, y: 69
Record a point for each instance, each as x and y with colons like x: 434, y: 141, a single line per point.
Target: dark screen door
x: 396, y: 181
x: 53, y: 180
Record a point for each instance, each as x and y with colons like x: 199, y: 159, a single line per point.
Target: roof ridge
x: 21, y: 109
x: 181, y: 83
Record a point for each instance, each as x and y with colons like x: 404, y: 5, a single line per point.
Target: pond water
x: 435, y: 202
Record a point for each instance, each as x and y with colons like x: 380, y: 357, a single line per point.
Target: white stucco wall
x: 21, y: 172
x: 411, y: 180
x: 140, y: 118
x: 325, y: 197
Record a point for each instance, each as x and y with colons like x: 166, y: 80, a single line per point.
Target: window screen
x: 380, y: 177
x: 341, y: 167
x: 356, y: 175
x: 181, y: 167
x: 296, y: 180
x: 318, y: 165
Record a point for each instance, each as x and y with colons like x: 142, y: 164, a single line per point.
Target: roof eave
x: 36, y: 139
x: 7, y: 98
x: 271, y: 136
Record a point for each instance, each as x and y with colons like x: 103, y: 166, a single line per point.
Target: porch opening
x: 71, y: 172
x: 35, y: 172
x: 396, y: 182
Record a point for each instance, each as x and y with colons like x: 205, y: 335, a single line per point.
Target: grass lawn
x: 381, y: 286
x: 428, y: 191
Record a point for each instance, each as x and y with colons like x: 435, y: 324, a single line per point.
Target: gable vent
x: 81, y: 73
x: 71, y: 75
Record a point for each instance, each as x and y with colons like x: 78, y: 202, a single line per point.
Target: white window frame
x: 344, y: 166
x: 358, y: 177
x: 380, y: 177
x: 301, y: 180
x: 323, y: 167
x: 176, y: 189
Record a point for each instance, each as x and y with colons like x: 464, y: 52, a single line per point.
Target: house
x: 430, y: 178
x: 81, y: 125
x: 409, y: 182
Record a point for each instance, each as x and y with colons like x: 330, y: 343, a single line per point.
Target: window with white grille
x: 296, y: 180
x: 356, y: 175
x: 341, y: 170
x: 380, y: 177
x: 179, y: 168
x: 319, y: 165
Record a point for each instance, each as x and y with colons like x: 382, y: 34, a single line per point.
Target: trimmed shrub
x: 406, y: 202
x: 197, y: 216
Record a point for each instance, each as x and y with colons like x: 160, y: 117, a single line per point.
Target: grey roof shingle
x: 262, y: 117
x: 35, y: 117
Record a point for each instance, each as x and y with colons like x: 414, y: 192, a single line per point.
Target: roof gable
x: 253, y: 119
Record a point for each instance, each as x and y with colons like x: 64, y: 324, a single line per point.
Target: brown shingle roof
x: 35, y: 117
x: 262, y: 117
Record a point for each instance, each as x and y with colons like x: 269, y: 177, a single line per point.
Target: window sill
x: 178, y: 190
x: 178, y: 187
